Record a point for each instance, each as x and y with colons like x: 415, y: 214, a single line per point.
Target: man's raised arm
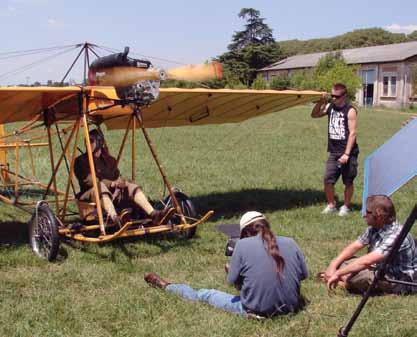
x: 320, y: 109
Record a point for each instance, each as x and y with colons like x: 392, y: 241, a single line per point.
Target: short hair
x: 385, y: 206
x: 340, y: 86
x: 98, y: 137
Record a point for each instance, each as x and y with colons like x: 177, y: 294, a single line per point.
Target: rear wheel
x: 43, y: 233
x: 188, y: 209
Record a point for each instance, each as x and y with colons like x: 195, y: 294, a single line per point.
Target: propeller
x: 196, y: 73
x: 123, y: 76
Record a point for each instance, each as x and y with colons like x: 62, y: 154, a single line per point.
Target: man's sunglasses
x: 368, y: 211
x: 337, y: 96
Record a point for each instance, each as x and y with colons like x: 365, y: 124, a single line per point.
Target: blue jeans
x: 216, y: 298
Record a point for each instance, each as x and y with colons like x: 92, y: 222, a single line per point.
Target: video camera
x: 230, y: 246
x: 233, y: 232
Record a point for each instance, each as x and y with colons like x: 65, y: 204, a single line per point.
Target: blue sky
x: 183, y: 31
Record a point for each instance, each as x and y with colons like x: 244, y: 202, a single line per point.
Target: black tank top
x: 338, y: 130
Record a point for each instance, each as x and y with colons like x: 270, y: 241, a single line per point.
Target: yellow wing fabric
x: 175, y: 107
x: 19, y: 104
x: 180, y: 107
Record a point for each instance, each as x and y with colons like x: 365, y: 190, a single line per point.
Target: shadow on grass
x: 13, y: 233
x: 234, y: 203
x: 132, y: 247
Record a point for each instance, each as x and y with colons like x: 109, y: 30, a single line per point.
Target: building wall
x: 410, y: 63
x: 384, y: 93
x: 269, y: 74
x: 360, y: 93
x: 391, y: 94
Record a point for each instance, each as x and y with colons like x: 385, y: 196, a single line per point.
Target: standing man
x: 342, y: 147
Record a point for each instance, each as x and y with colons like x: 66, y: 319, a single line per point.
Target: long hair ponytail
x: 262, y: 226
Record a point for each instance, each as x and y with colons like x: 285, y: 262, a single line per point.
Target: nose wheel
x: 187, y: 208
x: 43, y: 233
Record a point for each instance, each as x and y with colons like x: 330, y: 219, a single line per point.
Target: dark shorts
x: 334, y: 169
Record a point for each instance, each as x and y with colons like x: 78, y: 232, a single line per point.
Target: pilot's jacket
x: 106, y: 170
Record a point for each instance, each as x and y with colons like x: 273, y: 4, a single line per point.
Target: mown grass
x: 273, y: 164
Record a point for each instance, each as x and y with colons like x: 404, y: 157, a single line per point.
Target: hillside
x: 355, y: 39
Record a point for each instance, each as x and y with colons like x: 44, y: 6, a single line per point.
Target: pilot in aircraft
x: 114, y: 190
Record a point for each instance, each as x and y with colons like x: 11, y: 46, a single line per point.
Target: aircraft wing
x: 180, y: 107
x: 19, y: 104
x: 174, y: 107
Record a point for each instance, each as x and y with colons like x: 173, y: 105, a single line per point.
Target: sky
x: 181, y: 31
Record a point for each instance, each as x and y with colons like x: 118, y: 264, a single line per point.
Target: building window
x: 393, y: 85
x: 389, y: 85
x: 385, y: 84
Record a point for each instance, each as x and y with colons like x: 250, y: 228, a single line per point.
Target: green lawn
x: 273, y: 164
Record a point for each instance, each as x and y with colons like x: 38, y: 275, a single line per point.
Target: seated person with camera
x: 267, y: 269
x: 113, y: 188
x: 357, y: 273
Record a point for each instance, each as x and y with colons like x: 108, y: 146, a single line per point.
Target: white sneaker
x: 329, y: 210
x: 344, y: 210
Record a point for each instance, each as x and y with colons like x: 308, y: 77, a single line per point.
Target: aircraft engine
x: 138, y: 81
x: 134, y: 80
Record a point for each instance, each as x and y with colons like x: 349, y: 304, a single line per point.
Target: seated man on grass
x: 113, y: 188
x: 357, y: 273
x: 267, y: 269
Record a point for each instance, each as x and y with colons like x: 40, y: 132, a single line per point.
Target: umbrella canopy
x: 392, y: 165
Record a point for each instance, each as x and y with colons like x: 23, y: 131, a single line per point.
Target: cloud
x: 396, y: 28
x: 13, y: 7
x: 8, y: 11
x: 53, y: 23
x: 30, y: 2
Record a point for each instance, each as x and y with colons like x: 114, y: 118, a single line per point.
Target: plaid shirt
x: 404, y: 265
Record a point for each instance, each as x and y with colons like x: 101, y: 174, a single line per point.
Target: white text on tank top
x: 337, y: 129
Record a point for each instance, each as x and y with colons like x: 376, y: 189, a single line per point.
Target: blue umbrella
x: 392, y: 165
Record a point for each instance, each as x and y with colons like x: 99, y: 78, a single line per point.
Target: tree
x: 178, y: 84
x: 251, y: 49
x: 255, y: 32
x: 328, y: 61
x: 412, y: 36
x: 259, y: 83
x: 280, y: 82
x: 340, y: 73
x: 356, y: 39
x: 330, y: 69
x: 245, y: 62
x: 304, y: 80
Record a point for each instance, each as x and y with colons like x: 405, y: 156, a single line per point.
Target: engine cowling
x: 133, y: 79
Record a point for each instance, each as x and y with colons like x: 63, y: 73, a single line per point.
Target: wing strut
x: 138, y: 115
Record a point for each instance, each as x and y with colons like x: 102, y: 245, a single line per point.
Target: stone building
x: 386, y: 72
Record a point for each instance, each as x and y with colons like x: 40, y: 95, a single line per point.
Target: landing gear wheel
x: 43, y: 233
x: 188, y: 210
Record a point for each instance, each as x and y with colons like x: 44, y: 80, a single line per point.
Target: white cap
x: 250, y: 217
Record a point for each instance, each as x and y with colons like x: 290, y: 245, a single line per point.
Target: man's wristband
x: 347, y: 154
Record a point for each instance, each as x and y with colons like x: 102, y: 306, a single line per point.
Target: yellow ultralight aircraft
x: 122, y: 93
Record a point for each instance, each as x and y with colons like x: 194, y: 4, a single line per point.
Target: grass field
x: 272, y: 164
